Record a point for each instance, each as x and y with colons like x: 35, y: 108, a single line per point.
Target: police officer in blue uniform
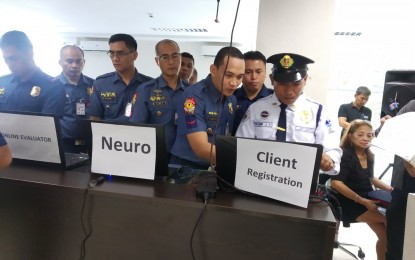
x: 253, y: 87
x: 5, y: 154
x: 187, y: 66
x: 208, y: 110
x: 112, y: 95
x: 156, y: 101
x: 78, y: 88
x: 27, y: 88
x: 288, y: 114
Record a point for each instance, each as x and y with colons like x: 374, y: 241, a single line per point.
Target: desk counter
x: 140, y: 219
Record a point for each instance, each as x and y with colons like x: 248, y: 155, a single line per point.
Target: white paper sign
x: 397, y: 136
x: 30, y: 137
x: 282, y: 171
x: 122, y: 150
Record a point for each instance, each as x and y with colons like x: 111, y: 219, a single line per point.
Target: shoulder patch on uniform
x: 189, y: 106
x: 191, y: 121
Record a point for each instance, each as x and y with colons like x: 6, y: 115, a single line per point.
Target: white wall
x: 98, y: 63
x: 303, y: 27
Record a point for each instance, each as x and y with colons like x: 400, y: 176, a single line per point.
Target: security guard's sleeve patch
x: 191, y: 121
x: 189, y: 106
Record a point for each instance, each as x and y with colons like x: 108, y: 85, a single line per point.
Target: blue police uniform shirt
x: 156, y: 103
x: 76, y: 97
x: 111, y: 96
x: 36, y: 94
x: 2, y: 140
x: 243, y: 103
x: 202, y: 107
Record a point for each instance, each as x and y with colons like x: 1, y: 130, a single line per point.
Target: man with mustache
x: 208, y: 110
x: 112, y: 95
x: 78, y: 88
x: 288, y: 114
x: 156, y: 101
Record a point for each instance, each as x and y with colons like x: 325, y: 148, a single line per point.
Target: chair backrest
x: 325, y: 179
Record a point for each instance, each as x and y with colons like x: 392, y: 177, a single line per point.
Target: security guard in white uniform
x: 288, y: 115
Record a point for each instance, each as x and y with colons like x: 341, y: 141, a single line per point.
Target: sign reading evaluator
x: 30, y: 137
x: 123, y: 150
x: 281, y: 171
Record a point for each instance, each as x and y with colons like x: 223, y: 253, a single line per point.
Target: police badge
x: 35, y: 91
x: 306, y: 116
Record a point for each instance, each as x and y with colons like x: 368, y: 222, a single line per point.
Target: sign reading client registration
x: 123, y: 150
x: 282, y: 171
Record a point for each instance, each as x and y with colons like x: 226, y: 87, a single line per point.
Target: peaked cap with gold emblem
x: 289, y: 67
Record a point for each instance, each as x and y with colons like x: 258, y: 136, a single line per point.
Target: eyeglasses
x: 166, y: 57
x: 118, y: 54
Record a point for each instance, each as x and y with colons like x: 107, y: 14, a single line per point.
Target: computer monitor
x: 35, y: 139
x: 226, y: 155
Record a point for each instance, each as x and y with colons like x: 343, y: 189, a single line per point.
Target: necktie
x: 282, y: 124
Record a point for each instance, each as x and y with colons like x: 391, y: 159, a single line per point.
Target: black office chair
x: 329, y: 194
x: 340, y: 245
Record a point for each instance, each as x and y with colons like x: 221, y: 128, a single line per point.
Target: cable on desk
x: 86, y: 234
x: 91, y: 184
x: 205, y: 198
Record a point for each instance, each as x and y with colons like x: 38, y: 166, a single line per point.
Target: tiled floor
x: 360, y: 233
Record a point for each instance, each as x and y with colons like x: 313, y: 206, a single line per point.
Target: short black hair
x: 188, y: 55
x: 255, y: 55
x: 165, y: 41
x: 362, y: 90
x: 17, y: 39
x: 129, y: 40
x: 227, y: 51
x: 71, y: 46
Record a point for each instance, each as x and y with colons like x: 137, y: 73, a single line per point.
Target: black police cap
x: 289, y: 67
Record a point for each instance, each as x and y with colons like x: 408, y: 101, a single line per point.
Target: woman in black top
x: 356, y: 179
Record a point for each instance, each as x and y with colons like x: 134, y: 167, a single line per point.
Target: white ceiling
x: 102, y: 18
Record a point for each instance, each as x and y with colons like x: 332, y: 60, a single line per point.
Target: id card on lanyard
x: 128, y: 109
x: 80, y: 108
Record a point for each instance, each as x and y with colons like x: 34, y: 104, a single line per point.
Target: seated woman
x: 5, y: 154
x: 356, y: 179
